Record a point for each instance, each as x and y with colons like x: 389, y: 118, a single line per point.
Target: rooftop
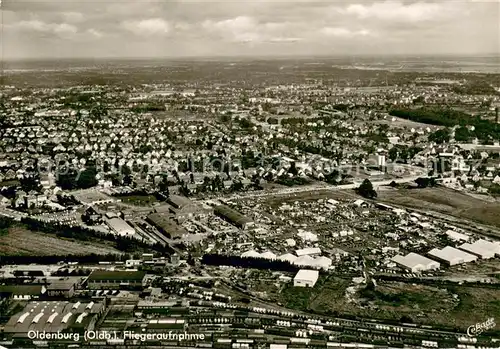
x: 98, y: 275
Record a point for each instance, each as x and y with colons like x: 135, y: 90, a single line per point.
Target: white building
x: 120, y: 227
x: 491, y: 246
x: 308, y: 251
x: 452, y: 256
x: 305, y: 261
x: 456, y: 236
x: 288, y: 257
x: 268, y: 255
x: 481, y: 248
x: 306, y: 278
x: 251, y: 254
x: 415, y: 262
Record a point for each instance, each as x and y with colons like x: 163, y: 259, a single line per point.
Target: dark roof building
x: 21, y: 291
x: 62, y: 288
x: 54, y: 316
x: 116, y: 279
x: 178, y: 201
x: 232, y: 216
x: 166, y: 225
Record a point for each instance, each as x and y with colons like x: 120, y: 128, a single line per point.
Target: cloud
x: 344, y: 32
x: 278, y: 27
x: 94, y: 33
x: 148, y: 27
x: 73, y: 17
x: 239, y: 29
x: 42, y: 27
x: 278, y: 40
x: 245, y: 29
x: 234, y: 25
x: 396, y: 11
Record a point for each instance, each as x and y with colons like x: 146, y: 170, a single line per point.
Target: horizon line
x: 257, y: 57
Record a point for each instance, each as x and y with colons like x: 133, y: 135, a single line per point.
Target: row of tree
x: 122, y: 243
x: 254, y: 263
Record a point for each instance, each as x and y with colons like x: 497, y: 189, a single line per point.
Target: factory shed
x: 103, y: 279
x: 288, y: 257
x: 479, y: 248
x: 415, y: 262
x: 165, y: 225
x: 305, y: 261
x: 251, y: 254
x: 178, y: 201
x: 232, y: 216
x: 268, y: 255
x: 120, y: 227
x: 306, y: 278
x: 456, y: 236
x: 491, y: 246
x: 323, y: 262
x: 308, y: 251
x: 452, y: 256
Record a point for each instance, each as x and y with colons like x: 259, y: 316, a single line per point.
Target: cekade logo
x: 477, y: 329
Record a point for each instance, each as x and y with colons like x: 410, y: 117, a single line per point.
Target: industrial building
x: 64, y: 288
x: 415, y: 262
x: 452, y: 256
x: 232, y: 216
x: 456, y: 236
x: 253, y: 254
x: 102, y: 279
x: 165, y: 225
x: 120, y: 227
x: 481, y: 248
x: 181, y: 207
x: 22, y: 292
x: 54, y: 316
x: 178, y: 202
x: 310, y: 251
x: 306, y: 278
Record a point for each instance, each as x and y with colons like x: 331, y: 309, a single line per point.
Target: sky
x: 203, y: 28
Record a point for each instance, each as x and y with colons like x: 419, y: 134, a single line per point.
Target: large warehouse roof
x: 104, y: 275
x: 120, y: 227
x: 253, y: 254
x: 307, y: 275
x: 166, y: 225
x: 416, y: 262
x: 457, y: 236
x: 179, y: 201
x: 481, y: 248
x: 452, y: 255
x: 308, y: 251
x: 51, y: 316
x: 232, y: 215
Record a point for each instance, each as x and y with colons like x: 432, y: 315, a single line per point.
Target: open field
x: 391, y: 301
x: 138, y: 200
x: 446, y: 201
x: 476, y: 305
x: 400, y: 122
x: 457, y: 306
x: 20, y: 241
x: 277, y: 200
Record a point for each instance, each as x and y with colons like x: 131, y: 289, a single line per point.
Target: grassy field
x: 326, y: 297
x: 19, y: 241
x: 138, y: 200
x: 399, y: 122
x: 455, y: 307
x: 445, y: 201
x: 277, y: 200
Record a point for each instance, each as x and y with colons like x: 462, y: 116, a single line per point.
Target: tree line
x: 249, y: 262
x: 122, y: 243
